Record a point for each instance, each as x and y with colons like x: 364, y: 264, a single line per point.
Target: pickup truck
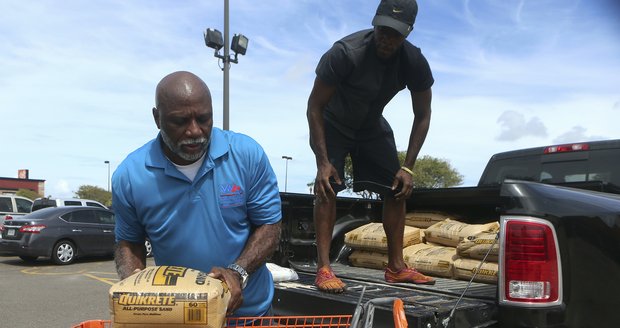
x: 12, y: 206
x: 559, y: 247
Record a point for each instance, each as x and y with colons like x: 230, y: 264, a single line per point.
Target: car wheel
x: 28, y: 258
x: 149, y: 248
x: 64, y: 252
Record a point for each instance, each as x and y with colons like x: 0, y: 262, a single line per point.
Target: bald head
x: 184, y: 116
x: 180, y: 87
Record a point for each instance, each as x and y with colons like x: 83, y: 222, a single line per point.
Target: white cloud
x: 576, y: 134
x: 515, y: 126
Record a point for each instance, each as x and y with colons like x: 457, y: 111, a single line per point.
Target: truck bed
x: 425, y: 306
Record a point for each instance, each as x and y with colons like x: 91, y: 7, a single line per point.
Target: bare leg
x: 324, y: 220
x: 394, y: 226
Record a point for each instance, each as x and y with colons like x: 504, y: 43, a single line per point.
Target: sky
x: 77, y: 78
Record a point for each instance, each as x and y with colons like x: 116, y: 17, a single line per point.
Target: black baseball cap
x: 397, y: 14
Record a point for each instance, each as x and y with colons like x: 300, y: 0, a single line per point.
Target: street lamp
x: 286, y: 158
x: 239, y: 45
x: 108, y: 162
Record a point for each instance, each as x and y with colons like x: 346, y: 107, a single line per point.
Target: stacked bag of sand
x: 435, y: 244
x: 472, y: 250
x: 453, y: 249
x: 369, y: 244
x: 432, y: 260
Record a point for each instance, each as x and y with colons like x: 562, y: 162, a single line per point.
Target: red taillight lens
x: 8, y: 217
x: 566, y: 148
x: 531, y: 264
x: 32, y: 228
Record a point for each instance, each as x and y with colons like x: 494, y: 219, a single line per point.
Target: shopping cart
x: 361, y: 318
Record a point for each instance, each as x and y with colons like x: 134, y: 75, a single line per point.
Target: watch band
x: 242, y: 273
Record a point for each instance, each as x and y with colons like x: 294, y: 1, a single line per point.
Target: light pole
x: 286, y: 158
x: 108, y: 162
x: 239, y: 45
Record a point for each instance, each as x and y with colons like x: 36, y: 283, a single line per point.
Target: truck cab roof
x: 586, y: 164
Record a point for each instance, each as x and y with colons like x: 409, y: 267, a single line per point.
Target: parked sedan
x: 60, y: 233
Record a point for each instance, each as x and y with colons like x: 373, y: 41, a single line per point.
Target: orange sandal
x: 328, y: 282
x: 407, y: 275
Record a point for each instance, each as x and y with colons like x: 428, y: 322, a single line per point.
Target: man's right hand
x: 322, y: 188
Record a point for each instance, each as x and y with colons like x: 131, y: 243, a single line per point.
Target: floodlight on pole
x: 239, y: 45
x: 286, y: 158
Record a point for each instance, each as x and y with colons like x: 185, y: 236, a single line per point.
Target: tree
x: 28, y: 194
x: 431, y: 172
x: 95, y: 193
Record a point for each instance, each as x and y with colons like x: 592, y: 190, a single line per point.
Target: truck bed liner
x: 425, y: 306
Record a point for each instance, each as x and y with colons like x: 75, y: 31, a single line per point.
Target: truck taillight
x: 32, y: 228
x: 566, y: 148
x: 530, y: 264
x: 8, y: 217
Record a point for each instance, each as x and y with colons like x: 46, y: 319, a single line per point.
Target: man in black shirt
x: 355, y: 80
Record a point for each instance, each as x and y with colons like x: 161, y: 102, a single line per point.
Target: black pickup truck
x: 559, y: 240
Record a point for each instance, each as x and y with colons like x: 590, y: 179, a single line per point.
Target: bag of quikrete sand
x: 169, y: 296
x: 424, y: 219
x: 372, y: 237
x: 431, y: 260
x: 464, y: 269
x: 477, y: 246
x: 368, y: 259
x: 450, y: 232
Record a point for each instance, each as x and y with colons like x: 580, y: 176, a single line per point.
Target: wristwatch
x: 242, y: 273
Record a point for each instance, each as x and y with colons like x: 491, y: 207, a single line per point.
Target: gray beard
x: 176, y: 148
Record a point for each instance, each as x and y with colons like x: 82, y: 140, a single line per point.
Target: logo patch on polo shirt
x: 231, y: 195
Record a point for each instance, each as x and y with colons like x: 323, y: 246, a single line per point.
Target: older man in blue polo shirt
x: 207, y: 199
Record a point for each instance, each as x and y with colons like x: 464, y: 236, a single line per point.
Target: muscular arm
x: 129, y: 257
x: 261, y: 244
x: 319, y: 97
x: 421, y: 103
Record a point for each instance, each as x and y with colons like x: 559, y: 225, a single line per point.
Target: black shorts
x: 373, y: 155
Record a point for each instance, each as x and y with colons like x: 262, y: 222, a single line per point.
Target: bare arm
x: 129, y: 258
x: 421, y: 103
x: 261, y: 244
x: 319, y: 97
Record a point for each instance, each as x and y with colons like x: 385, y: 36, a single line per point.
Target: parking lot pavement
x: 41, y: 294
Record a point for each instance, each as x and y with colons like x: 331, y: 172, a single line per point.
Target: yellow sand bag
x: 465, y: 268
x: 450, y: 232
x: 424, y: 219
x: 431, y: 260
x: 168, y: 296
x: 372, y: 237
x: 368, y: 259
x: 477, y: 246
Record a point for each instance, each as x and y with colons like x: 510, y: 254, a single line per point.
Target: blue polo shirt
x: 204, y: 223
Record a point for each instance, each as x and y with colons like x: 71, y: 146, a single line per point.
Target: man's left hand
x: 231, y: 278
x: 405, y: 181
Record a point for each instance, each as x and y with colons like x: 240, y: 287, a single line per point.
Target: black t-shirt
x: 366, y: 83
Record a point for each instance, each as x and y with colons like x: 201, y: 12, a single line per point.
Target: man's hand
x: 231, y: 278
x: 405, y: 180
x: 322, y: 187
